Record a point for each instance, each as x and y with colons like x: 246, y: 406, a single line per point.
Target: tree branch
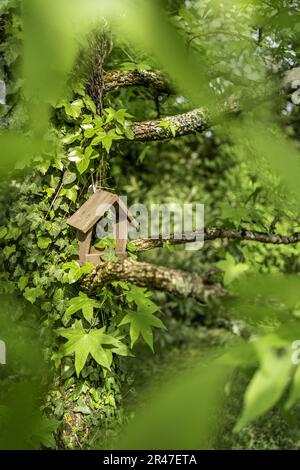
x: 190, y: 122
x: 152, y: 277
x: 114, y: 79
x: 172, y: 280
x: 182, y: 124
x: 145, y: 244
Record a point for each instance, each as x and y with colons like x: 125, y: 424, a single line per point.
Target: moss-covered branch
x: 171, y: 126
x: 153, y: 277
x: 115, y: 78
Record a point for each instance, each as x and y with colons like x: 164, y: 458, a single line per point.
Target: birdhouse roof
x: 94, y: 208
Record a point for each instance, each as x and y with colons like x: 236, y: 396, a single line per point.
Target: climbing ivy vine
x: 86, y: 336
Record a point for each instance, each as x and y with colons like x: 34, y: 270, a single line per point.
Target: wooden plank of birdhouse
x: 92, y: 210
x: 93, y: 258
x: 84, y: 241
x: 121, y: 232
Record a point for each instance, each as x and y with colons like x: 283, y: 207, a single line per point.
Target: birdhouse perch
x: 88, y: 216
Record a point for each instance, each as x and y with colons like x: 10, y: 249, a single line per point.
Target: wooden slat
x: 84, y: 241
x: 121, y: 232
x: 92, y: 210
x: 92, y: 258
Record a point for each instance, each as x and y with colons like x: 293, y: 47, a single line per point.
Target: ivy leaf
x: 107, y: 142
x: 75, y: 271
x: 232, y: 269
x: 79, y: 89
x: 84, y: 303
x: 106, y: 242
x: 70, y: 138
x: 83, y: 344
x: 43, y: 242
x: 141, y: 323
x: 69, y: 177
x: 82, y: 407
x: 90, y: 152
x: 131, y: 247
x: 74, y: 109
x: 49, y: 191
x: 83, y: 164
x: 31, y: 294
x: 22, y: 283
x: 9, y: 250
x: 13, y: 233
x: 70, y: 193
x: 3, y: 232
x: 89, y: 103
x: 89, y: 133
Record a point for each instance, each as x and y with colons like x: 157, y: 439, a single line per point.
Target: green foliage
x: 91, y: 132
x: 232, y: 269
x: 75, y: 272
x: 268, y: 383
x: 168, y: 125
x: 39, y: 251
x: 294, y: 395
x: 237, y: 170
x: 84, y: 303
x: 141, y: 320
x: 82, y: 343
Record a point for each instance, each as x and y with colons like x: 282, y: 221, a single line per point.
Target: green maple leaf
x: 108, y: 139
x: 139, y: 295
x: 141, y: 323
x: 84, y: 303
x: 232, y: 269
x: 168, y: 125
x: 82, y: 343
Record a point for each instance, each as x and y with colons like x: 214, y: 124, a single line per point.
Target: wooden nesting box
x: 88, y: 216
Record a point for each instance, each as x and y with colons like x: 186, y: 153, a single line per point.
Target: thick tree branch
x: 145, y: 244
x: 152, y: 277
x: 172, y: 280
x: 197, y: 120
x: 115, y: 79
x: 180, y: 124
